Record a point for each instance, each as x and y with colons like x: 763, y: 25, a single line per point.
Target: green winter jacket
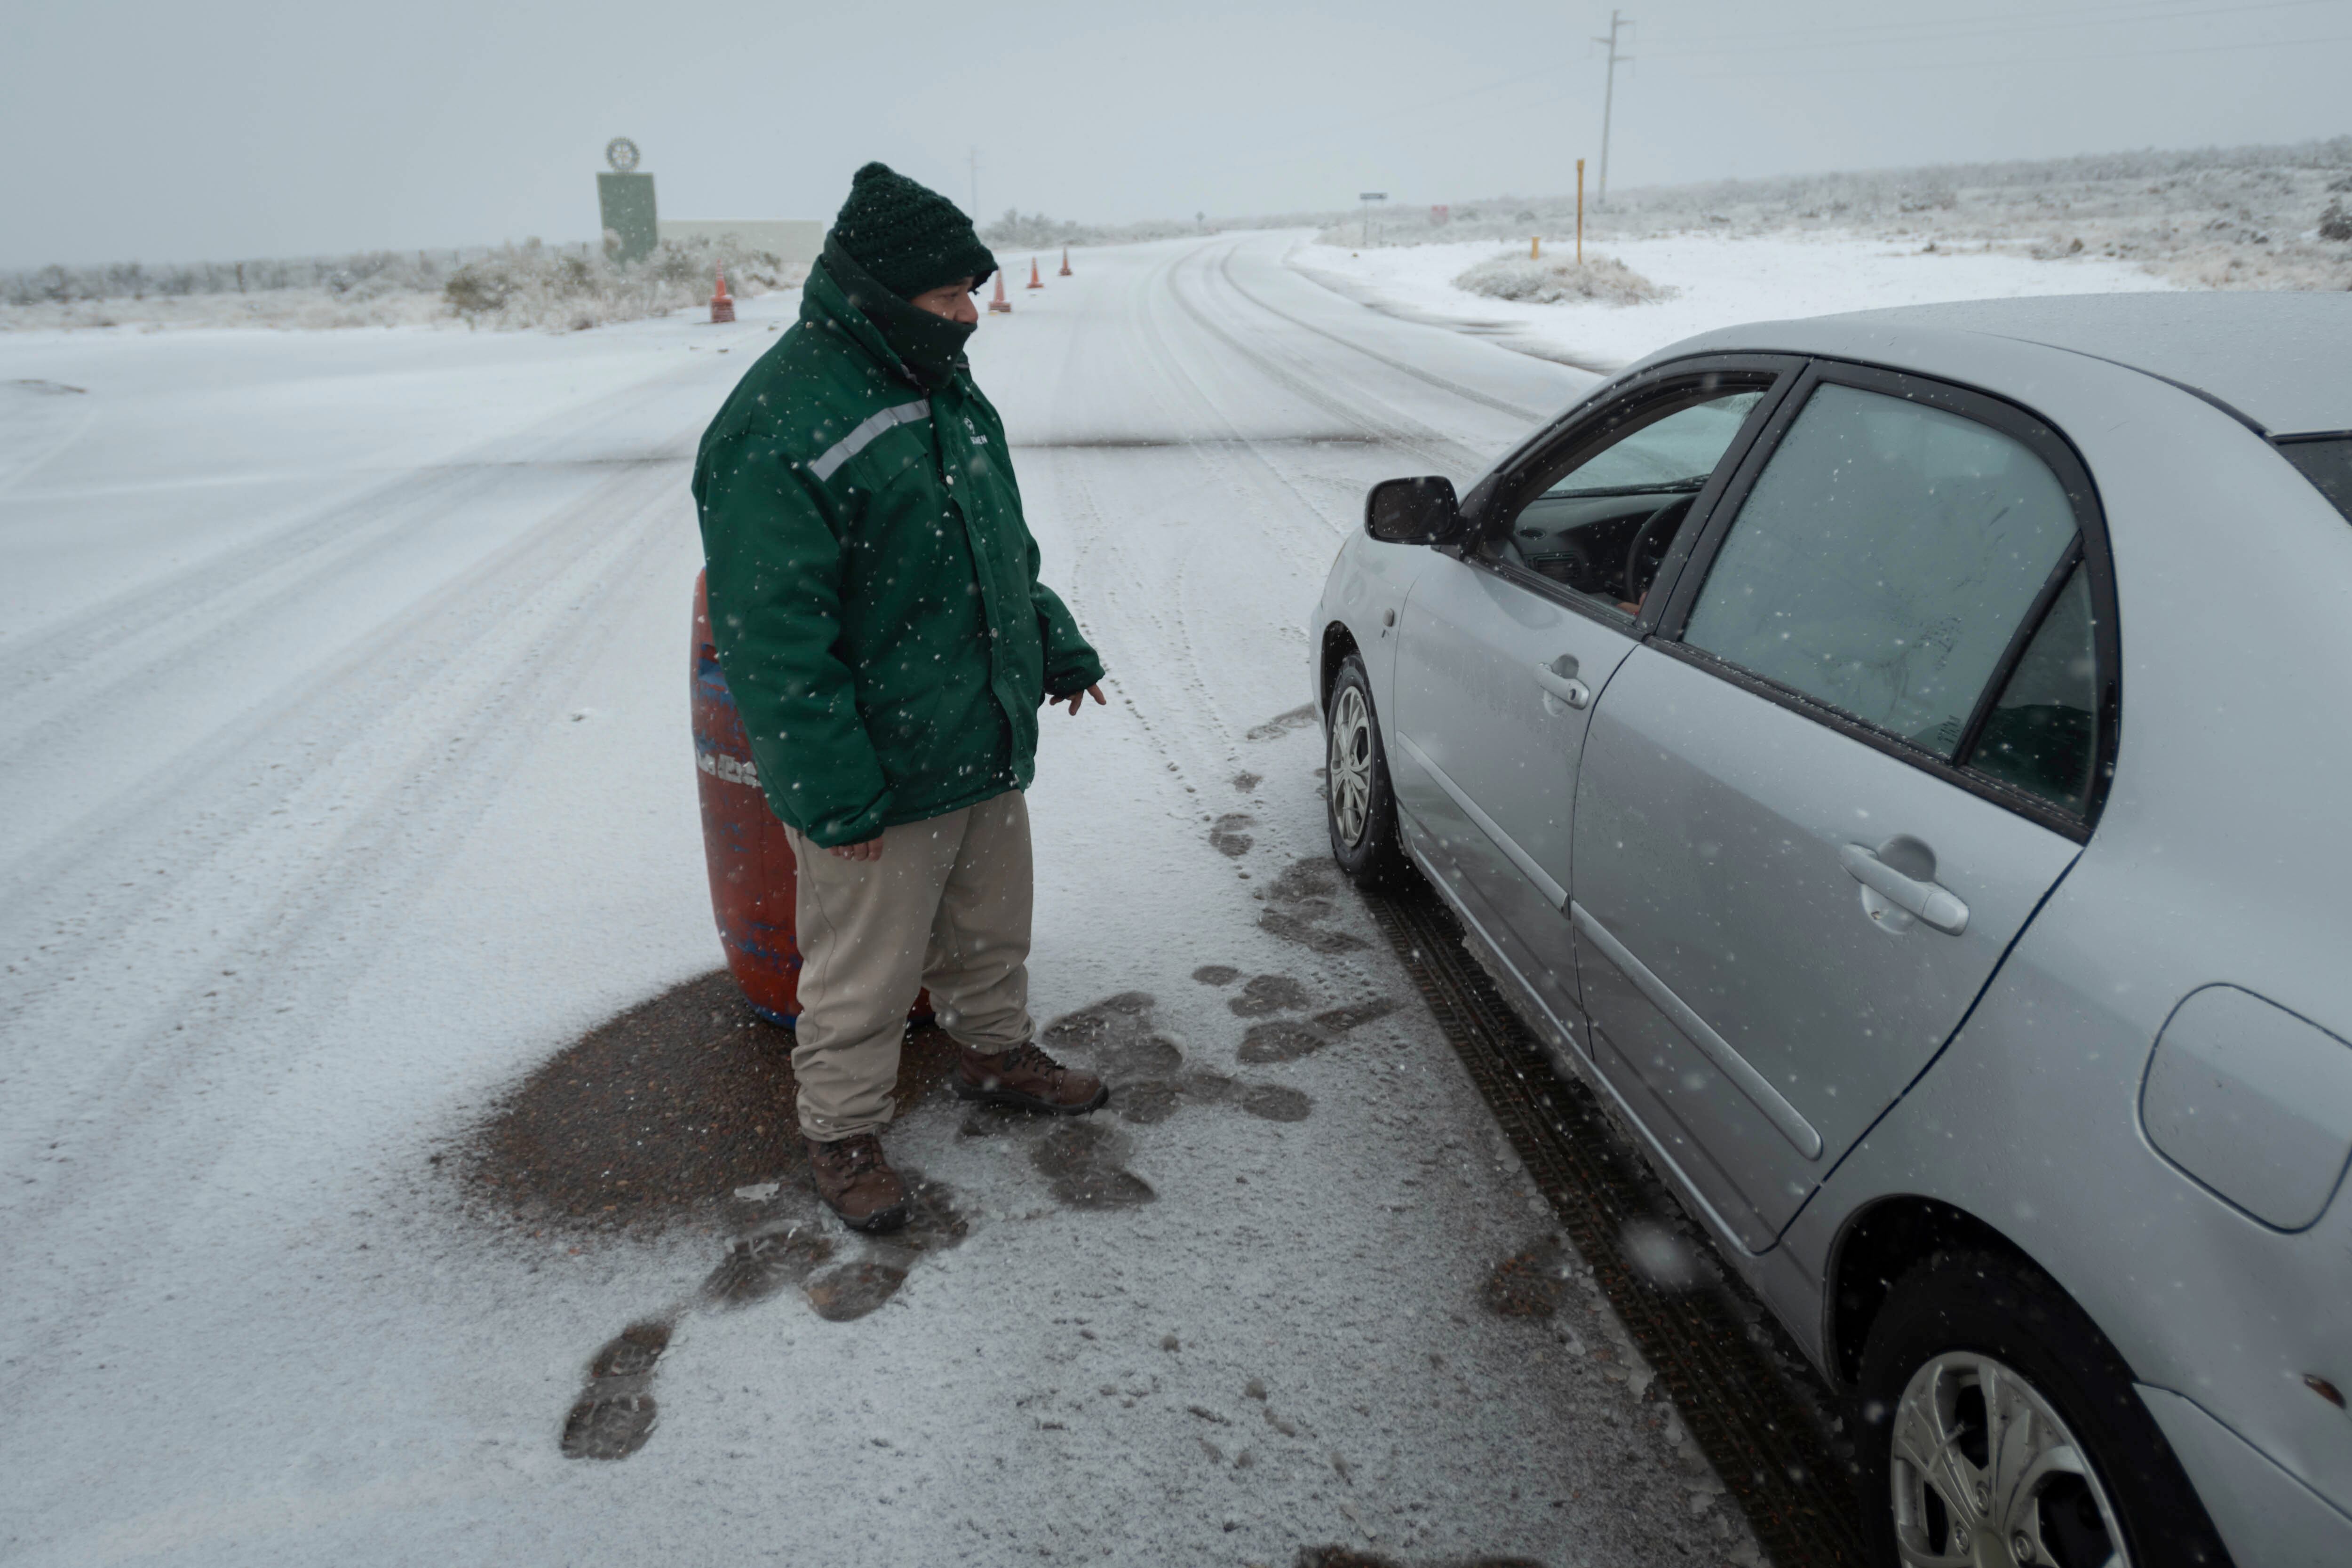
x: 874, y: 591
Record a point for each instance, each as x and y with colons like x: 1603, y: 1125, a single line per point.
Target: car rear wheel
x: 2001, y: 1427
x: 1362, y: 809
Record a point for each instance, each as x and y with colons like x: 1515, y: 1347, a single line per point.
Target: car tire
x: 1969, y: 1341
x: 1360, y: 805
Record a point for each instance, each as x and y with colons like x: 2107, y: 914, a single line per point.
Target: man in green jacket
x: 875, y: 599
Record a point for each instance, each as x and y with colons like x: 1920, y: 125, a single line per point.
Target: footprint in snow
x: 1300, y: 905
x: 784, y: 1249
x: 1282, y: 724
x: 1226, y: 834
x: 616, y: 1413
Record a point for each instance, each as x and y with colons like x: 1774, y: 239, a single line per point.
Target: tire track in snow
x: 401, y: 746
x: 483, y: 662
x: 153, y: 626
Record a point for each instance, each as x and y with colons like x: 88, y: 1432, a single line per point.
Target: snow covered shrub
x: 2335, y: 222
x: 531, y: 286
x: 1551, y: 280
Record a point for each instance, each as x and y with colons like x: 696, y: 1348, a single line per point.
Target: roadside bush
x: 530, y: 285
x: 1552, y: 280
x: 513, y: 287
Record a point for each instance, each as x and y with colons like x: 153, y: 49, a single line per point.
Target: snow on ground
x: 1719, y: 282
x: 2208, y: 218
x: 345, y: 777
x: 511, y: 288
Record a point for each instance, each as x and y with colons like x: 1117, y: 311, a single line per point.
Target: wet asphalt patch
x: 679, y: 1103
x: 657, y: 1113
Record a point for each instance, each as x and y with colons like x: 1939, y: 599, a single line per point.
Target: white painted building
x: 788, y: 239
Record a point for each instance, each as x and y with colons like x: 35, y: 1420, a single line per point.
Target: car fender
x: 2028, y: 1124
x: 1363, y: 598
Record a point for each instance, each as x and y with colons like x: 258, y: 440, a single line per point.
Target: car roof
x: 2281, y: 360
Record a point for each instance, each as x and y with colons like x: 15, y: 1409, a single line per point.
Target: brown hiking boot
x: 1026, y: 1079
x: 857, y: 1183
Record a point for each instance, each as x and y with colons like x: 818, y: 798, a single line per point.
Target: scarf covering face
x: 931, y: 347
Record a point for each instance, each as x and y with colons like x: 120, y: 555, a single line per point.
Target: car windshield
x: 2327, y: 462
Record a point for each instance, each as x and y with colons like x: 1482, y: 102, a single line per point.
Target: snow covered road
x: 344, y: 778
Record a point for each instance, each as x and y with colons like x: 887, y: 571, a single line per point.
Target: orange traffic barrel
x: 753, y: 876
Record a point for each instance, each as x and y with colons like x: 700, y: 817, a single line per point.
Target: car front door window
x: 1600, y: 522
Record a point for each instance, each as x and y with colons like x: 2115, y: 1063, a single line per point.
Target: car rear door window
x: 2327, y: 462
x: 1884, y: 561
x: 1600, y: 525
x: 2041, y: 733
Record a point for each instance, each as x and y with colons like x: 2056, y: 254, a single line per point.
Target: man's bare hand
x: 869, y: 850
x: 1077, y: 701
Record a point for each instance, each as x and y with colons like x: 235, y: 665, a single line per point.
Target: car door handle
x: 1562, y: 683
x: 1939, y: 907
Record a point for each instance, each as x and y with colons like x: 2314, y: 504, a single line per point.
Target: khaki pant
x: 948, y: 906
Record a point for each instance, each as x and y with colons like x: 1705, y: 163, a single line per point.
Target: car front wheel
x: 1362, y: 809
x: 2000, y: 1426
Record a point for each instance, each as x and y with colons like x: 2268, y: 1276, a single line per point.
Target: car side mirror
x: 1412, y: 511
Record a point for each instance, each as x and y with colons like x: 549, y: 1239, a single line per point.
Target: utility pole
x: 975, y: 181
x: 1608, y: 101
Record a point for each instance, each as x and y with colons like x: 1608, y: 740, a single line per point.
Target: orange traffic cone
x: 1001, y: 305
x: 722, y: 303
x: 1065, y: 261
x: 1035, y: 281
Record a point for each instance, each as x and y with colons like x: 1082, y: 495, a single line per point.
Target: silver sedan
x: 1900, y: 761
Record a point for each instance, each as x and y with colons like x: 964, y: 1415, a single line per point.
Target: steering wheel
x: 1660, y: 522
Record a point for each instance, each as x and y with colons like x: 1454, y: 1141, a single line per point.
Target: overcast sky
x: 158, y: 130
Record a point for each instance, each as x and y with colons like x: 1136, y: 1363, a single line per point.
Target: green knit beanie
x: 908, y: 236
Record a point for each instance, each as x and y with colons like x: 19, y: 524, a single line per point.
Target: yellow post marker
x: 1534, y: 249
x: 1580, y: 212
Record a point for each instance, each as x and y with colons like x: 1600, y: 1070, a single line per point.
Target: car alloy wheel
x: 1985, y: 1471
x: 1349, y: 773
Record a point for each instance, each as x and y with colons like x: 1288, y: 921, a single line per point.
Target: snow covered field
x: 344, y: 778
x: 1719, y: 282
